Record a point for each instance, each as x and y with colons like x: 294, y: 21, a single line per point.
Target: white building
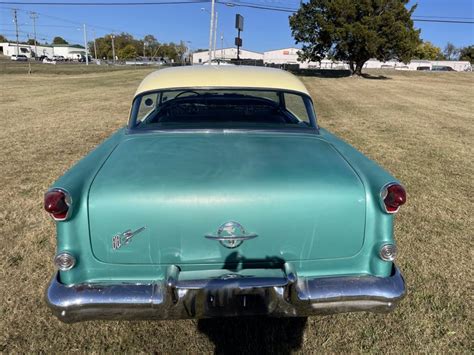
x: 68, y: 51
x: 416, y: 63
x: 226, y: 54
x: 281, y: 56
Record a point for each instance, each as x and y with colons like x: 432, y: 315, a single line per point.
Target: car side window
x: 148, y: 104
x: 296, y: 105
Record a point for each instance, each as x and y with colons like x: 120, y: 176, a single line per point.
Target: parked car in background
x: 442, y: 68
x: 49, y: 61
x: 223, y: 196
x: 19, y: 58
x: 58, y: 58
x: 217, y: 62
x: 423, y: 68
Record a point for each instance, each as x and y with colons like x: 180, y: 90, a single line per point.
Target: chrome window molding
x: 307, y: 100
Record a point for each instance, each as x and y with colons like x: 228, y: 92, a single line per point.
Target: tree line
x: 127, y: 47
x: 427, y: 50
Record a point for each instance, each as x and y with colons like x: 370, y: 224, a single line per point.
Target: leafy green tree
x: 104, y: 47
x: 127, y: 52
x: 59, y: 40
x: 467, y: 53
x: 168, y: 50
x: 450, y: 51
x: 355, y: 31
x: 124, y: 43
x: 3, y: 38
x: 427, y: 50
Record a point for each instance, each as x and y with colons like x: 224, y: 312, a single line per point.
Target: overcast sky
x: 263, y: 29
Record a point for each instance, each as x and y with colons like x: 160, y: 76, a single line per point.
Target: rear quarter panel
x: 379, y: 225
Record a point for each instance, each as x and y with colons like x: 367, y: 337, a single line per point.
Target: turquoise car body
x: 313, y: 200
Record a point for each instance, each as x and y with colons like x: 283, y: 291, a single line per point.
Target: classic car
x: 222, y: 196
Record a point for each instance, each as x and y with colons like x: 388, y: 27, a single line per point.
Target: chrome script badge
x: 118, y: 240
x: 231, y: 235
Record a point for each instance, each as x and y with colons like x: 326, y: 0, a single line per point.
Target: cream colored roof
x: 226, y: 76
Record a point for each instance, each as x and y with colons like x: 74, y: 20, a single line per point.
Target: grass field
x: 419, y: 126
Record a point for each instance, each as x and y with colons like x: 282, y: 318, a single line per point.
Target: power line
x: 26, y: 34
x: 446, y: 17
x: 108, y: 29
x: 153, y: 3
x: 55, y: 26
x: 442, y: 21
x: 432, y: 19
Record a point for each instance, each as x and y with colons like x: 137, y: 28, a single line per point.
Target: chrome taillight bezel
x: 67, y: 199
x: 388, y: 252
x: 383, y: 195
x: 65, y: 261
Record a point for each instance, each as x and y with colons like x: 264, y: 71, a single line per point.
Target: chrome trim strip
x: 286, y: 296
x: 234, y: 237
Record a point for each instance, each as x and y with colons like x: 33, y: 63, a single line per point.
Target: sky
x: 264, y: 30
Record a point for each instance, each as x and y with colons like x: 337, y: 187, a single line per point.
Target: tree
x: 467, y: 53
x: 31, y: 42
x: 128, y: 52
x: 151, y: 45
x: 3, y: 39
x: 450, y: 51
x: 59, y: 40
x: 355, y: 31
x: 427, y: 50
x: 181, y: 50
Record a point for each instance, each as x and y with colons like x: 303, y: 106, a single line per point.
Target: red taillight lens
x: 393, y: 197
x: 56, y: 203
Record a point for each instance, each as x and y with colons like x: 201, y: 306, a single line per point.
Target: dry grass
x: 419, y: 126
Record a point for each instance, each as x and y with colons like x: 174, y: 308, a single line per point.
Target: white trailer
x: 10, y: 49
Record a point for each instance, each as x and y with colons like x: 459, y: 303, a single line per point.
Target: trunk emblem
x: 120, y: 239
x: 231, y: 235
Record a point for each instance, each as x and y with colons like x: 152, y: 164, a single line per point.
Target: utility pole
x: 211, y: 30
x: 85, y: 44
x: 113, y: 48
x: 95, y: 46
x: 15, y: 19
x: 144, y: 49
x: 34, y: 16
x: 215, y: 34
x: 222, y: 45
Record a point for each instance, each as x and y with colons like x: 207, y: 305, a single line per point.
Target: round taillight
x: 57, y: 204
x: 393, y: 196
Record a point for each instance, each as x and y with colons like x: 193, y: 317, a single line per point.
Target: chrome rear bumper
x: 286, y: 296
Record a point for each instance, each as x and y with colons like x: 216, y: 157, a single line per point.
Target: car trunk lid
x: 158, y: 196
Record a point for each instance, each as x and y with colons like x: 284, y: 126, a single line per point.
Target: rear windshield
x: 216, y: 108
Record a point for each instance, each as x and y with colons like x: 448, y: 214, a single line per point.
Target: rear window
x: 228, y: 108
